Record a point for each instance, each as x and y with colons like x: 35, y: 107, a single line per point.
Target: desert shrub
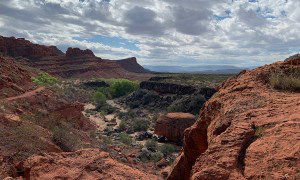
x: 106, y: 91
x: 285, y: 82
x: 106, y: 140
x: 125, y: 138
x: 167, y: 149
x: 140, y: 124
x: 44, y: 79
x: 151, y: 144
x: 65, y: 139
x: 156, y: 156
x: 99, y: 98
x: 146, y: 156
x: 122, y: 87
x: 122, y: 125
x: 105, y: 108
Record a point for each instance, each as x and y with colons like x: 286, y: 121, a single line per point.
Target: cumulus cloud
x: 166, y: 32
x: 140, y: 20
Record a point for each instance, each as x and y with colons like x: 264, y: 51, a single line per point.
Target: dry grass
x: 285, y: 82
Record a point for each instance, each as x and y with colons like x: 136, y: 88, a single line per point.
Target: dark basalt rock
x: 167, y: 88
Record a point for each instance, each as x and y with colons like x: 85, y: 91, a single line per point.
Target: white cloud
x: 166, y: 31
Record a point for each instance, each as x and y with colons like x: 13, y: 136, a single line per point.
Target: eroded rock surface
x: 245, y: 131
x: 83, y: 164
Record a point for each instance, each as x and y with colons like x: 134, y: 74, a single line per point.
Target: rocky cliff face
x: 19, y: 47
x: 245, y: 131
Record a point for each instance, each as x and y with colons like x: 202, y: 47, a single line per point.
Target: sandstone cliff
x: 247, y: 130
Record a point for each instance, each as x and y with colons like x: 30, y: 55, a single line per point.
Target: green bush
x: 151, y: 144
x: 99, y: 98
x: 44, y: 79
x: 167, y: 149
x: 285, y: 82
x: 140, y: 124
x: 122, y: 87
x: 125, y: 138
x: 122, y: 125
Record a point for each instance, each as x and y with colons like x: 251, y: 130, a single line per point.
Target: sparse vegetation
x: 285, y: 82
x: 151, y: 145
x: 125, y: 138
x: 44, y: 79
x: 167, y: 149
x: 191, y: 104
x: 259, y: 131
x: 140, y: 124
x: 65, y: 139
x: 122, y: 125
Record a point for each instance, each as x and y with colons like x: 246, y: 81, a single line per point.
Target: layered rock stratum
x: 247, y: 130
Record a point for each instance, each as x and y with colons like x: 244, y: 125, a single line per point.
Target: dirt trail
x: 27, y: 94
x: 101, y: 120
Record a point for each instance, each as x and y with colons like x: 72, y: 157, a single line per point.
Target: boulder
x: 172, y: 125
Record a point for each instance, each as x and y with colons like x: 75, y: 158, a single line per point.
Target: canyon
x: 246, y: 129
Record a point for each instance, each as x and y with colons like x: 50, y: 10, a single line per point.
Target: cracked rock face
x: 245, y: 131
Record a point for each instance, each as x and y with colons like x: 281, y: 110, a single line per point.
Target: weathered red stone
x: 83, y: 164
x: 172, y: 125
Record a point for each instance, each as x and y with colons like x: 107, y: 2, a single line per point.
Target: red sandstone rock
x: 172, y: 125
x: 16, y: 47
x: 83, y: 164
x: 245, y: 131
x: 76, y: 52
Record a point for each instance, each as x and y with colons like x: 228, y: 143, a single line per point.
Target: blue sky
x: 162, y: 32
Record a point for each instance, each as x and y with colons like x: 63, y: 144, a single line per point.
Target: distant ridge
x: 208, y: 69
x: 75, y: 63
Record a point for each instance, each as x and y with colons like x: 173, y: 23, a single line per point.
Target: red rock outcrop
x: 83, y: 164
x: 76, y: 53
x: 16, y: 47
x: 245, y: 131
x: 172, y: 125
